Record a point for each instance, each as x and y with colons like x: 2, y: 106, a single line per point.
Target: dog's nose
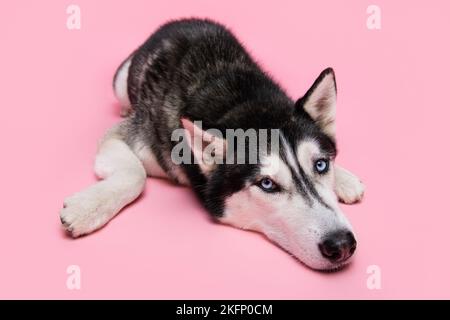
x: 338, y: 246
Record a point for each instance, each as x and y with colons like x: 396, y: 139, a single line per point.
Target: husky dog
x: 196, y: 70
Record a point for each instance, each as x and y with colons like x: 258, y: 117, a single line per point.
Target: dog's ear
x: 320, y: 102
x: 208, y: 147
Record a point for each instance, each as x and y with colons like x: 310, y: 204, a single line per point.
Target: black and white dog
x: 196, y: 70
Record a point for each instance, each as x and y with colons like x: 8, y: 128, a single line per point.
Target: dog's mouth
x: 326, y: 266
x: 319, y: 263
x: 339, y: 266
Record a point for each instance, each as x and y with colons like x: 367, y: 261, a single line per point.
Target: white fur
x: 307, y: 152
x: 148, y: 159
x: 121, y: 88
x: 152, y: 167
x: 275, y: 168
x: 123, y: 180
x: 286, y: 218
x: 348, y: 187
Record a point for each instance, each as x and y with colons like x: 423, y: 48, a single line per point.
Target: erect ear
x: 208, y: 147
x: 320, y: 102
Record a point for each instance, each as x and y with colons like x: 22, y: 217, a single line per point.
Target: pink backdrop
x: 393, y: 130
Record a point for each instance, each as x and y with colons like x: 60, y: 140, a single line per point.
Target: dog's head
x: 287, y: 195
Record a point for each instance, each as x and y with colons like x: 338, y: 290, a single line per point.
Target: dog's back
x: 196, y: 69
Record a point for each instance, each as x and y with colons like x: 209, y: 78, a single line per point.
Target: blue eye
x: 267, y: 185
x: 322, y: 166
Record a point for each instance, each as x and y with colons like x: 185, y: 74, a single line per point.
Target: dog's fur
x: 195, y: 69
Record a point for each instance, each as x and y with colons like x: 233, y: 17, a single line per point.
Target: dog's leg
x: 348, y: 187
x: 123, y: 179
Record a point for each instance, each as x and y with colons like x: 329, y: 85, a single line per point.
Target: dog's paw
x: 84, y: 212
x: 348, y: 188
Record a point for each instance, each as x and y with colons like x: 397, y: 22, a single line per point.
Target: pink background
x: 393, y: 110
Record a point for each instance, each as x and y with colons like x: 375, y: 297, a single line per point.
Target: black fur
x: 197, y: 69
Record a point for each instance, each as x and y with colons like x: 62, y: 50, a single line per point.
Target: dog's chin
x: 326, y: 266
x: 335, y: 267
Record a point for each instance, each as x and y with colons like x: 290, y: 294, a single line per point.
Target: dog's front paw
x: 348, y: 187
x: 84, y: 212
